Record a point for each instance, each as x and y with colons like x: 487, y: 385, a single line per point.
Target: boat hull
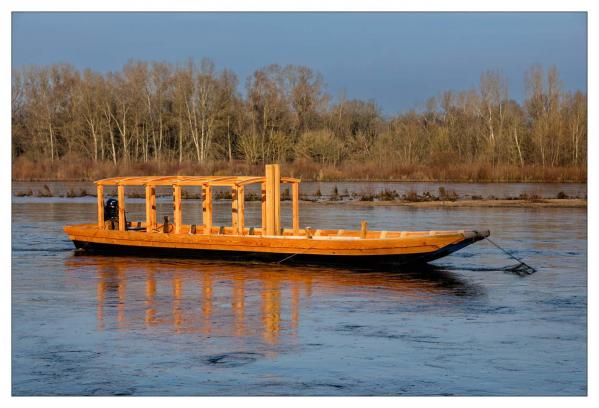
x: 240, y: 256
x: 317, y: 250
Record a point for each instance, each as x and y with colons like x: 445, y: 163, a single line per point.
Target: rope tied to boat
x: 522, y: 268
x: 288, y: 257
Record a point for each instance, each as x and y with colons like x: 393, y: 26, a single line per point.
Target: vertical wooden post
x: 263, y: 192
x: 277, y: 198
x: 363, y: 229
x: 295, y: 207
x: 235, y: 209
x: 150, y: 208
x: 241, y: 208
x: 100, y: 206
x: 177, y: 215
x: 207, y: 209
x: 153, y: 207
x: 121, y: 197
x: 270, y: 202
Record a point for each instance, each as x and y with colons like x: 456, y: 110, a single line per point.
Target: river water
x: 96, y: 325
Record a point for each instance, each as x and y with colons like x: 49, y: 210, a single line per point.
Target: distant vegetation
x: 159, y: 118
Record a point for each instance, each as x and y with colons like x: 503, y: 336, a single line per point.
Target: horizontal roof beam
x: 222, y: 181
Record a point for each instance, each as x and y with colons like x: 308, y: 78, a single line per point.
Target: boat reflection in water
x: 242, y: 300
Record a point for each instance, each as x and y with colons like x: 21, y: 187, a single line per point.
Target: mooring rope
x: 288, y: 257
x: 292, y: 255
x: 521, y: 269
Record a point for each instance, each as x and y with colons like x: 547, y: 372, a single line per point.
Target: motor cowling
x: 111, y: 210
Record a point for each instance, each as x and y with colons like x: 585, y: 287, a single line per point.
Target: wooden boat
x: 114, y: 234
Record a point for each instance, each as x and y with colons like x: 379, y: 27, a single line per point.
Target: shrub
x: 26, y: 193
x: 251, y: 196
x: 388, y: 195
x: 562, y: 196
x: 321, y: 147
x: 367, y: 197
x: 334, y: 194
x: 411, y: 196
x: 45, y: 192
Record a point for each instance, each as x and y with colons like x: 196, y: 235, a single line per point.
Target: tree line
x: 153, y: 112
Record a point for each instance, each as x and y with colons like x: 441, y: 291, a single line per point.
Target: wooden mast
x: 100, y: 206
x: 270, y: 202
x: 273, y: 200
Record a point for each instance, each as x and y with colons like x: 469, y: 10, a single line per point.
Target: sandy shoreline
x: 540, y: 203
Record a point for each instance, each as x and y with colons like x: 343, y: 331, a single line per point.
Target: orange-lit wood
x: 235, y: 208
x: 121, y: 197
x: 153, y: 214
x: 363, y: 229
x: 295, y: 207
x: 263, y: 200
x: 277, y: 198
x: 328, y: 243
x: 150, y: 208
x: 177, y: 215
x: 189, y: 180
x: 270, y: 200
x: 207, y: 209
x: 100, y: 206
x: 269, y: 238
x: 241, y: 209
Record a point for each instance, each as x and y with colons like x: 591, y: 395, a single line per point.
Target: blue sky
x: 397, y: 59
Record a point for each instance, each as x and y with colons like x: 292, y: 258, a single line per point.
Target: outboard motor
x: 111, y: 210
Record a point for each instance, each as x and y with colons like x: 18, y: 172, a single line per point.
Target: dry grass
x: 72, y: 168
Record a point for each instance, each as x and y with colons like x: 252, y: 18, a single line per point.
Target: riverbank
x: 76, y: 170
x: 541, y: 203
x: 383, y: 198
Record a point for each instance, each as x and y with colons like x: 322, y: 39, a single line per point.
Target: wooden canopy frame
x: 270, y: 189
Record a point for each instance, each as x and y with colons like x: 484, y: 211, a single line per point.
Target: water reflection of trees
x: 237, y: 300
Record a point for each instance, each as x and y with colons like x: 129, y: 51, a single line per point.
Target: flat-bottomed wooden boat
x: 114, y: 234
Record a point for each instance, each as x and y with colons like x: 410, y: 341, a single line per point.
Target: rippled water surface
x: 106, y: 325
